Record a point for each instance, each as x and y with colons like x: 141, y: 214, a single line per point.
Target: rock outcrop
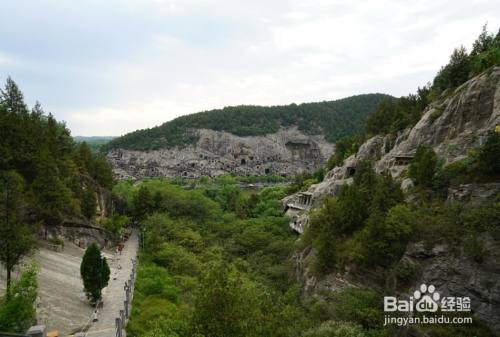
x: 451, y: 126
x: 456, y: 274
x: 284, y: 153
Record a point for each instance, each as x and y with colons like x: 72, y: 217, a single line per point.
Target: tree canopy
x: 58, y: 174
x: 94, y: 271
x: 333, y: 119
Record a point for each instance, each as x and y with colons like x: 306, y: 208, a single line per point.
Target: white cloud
x: 115, y: 66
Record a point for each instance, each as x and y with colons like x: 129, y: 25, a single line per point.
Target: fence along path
x: 117, y: 297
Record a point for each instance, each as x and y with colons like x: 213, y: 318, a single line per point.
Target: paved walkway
x: 114, y: 294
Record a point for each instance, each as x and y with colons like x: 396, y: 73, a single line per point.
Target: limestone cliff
x: 452, y: 126
x: 286, y: 152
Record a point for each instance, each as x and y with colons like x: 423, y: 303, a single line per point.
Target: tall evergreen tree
x: 94, y: 271
x: 89, y: 202
x: 424, y: 166
x: 143, y: 203
x: 12, y: 98
x: 16, y: 237
x: 51, y: 195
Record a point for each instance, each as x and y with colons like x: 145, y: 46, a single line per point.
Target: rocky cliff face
x: 452, y: 126
x: 285, y: 153
x: 456, y: 274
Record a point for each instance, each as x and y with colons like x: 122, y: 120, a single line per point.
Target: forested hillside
x: 58, y: 176
x: 94, y: 142
x: 333, y: 119
x: 395, y: 115
x: 45, y: 179
x: 214, y: 262
x: 434, y: 219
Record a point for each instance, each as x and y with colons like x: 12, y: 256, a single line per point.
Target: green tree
x: 381, y: 119
x: 17, y: 312
x: 51, y: 194
x: 12, y: 98
x: 16, y: 238
x: 455, y: 72
x: 483, y: 43
x: 84, y: 158
x: 383, y: 240
x: 94, y: 271
x: 143, y: 203
x: 89, y: 202
x: 224, y: 306
x: 103, y: 173
x: 424, y: 166
x: 489, y: 154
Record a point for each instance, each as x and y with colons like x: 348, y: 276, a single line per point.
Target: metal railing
x: 122, y: 319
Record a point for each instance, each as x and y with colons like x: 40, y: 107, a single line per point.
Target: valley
x: 254, y: 221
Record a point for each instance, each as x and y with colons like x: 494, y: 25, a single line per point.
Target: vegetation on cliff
x: 397, y: 114
x: 56, y: 173
x: 366, y: 228
x: 333, y: 119
x: 45, y: 178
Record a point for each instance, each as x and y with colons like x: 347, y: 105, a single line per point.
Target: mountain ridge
x: 332, y: 119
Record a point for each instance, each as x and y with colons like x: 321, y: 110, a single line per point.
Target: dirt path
x: 114, y: 295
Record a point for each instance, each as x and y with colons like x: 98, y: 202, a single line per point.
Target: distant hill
x: 94, y: 142
x: 333, y: 119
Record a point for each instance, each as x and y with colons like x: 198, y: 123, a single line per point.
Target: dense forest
x: 45, y: 178
x: 333, y: 119
x: 215, y: 262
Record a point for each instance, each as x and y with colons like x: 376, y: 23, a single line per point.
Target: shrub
x: 361, y: 306
x: 155, y: 281
x: 177, y: 259
x: 489, y: 154
x: 424, y: 166
x: 17, y: 312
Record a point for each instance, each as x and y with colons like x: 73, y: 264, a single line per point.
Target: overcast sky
x: 108, y: 67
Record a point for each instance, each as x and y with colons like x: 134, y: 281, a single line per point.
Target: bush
x: 155, y: 281
x: 177, y: 259
x: 383, y: 240
x: 361, y: 306
x: 424, y: 166
x: 115, y: 224
x: 489, y: 154
x: 17, y: 312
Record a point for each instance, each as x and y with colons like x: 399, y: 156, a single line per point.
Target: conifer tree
x: 12, y: 98
x: 94, y: 271
x: 16, y: 238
